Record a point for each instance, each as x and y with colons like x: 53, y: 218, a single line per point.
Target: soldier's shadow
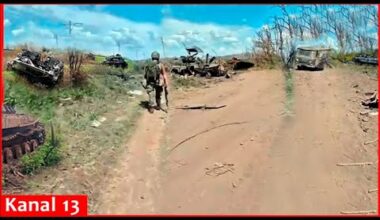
x: 144, y: 104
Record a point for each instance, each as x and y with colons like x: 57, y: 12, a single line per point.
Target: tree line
x: 353, y: 28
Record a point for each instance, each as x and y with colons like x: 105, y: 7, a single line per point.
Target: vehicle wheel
x: 26, y: 147
x: 18, y: 151
x: 41, y: 138
x: 33, y: 145
x: 321, y: 67
x: 8, y: 155
x: 208, y: 75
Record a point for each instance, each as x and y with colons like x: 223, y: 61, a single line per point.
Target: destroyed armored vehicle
x: 90, y: 56
x: 193, y: 65
x: 365, y: 60
x: 239, y: 64
x: 116, y: 61
x: 38, y: 67
x: 22, y: 134
x: 310, y: 57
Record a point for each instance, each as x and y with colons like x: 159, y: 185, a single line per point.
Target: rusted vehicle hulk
x: 238, y: 64
x: 311, y: 57
x: 117, y: 61
x: 22, y: 134
x: 38, y: 67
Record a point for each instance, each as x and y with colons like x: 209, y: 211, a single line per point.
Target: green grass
x: 86, y: 103
x: 99, y: 58
x: 289, y: 91
x: 189, y: 82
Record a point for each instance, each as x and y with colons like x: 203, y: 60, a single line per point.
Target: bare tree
x: 75, y: 63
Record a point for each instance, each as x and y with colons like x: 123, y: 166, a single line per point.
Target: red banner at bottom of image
x: 43, y: 205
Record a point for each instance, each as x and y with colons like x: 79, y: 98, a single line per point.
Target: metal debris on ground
x: 135, y: 92
x: 186, y: 107
x: 363, y: 59
x: 372, y: 101
x: 359, y: 212
x: 372, y: 190
x: 370, y: 142
x: 205, y: 131
x: 354, y: 164
x: 220, y: 169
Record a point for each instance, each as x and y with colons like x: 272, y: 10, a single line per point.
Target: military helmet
x: 155, y: 55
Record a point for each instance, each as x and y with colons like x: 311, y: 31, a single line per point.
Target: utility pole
x: 56, y: 40
x: 71, y: 24
x: 163, y: 46
x: 118, y: 46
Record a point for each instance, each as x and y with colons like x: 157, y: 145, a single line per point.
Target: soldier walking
x: 156, y: 81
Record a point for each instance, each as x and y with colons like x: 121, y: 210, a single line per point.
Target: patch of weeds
x: 46, y: 155
x: 189, y: 82
x: 289, y: 90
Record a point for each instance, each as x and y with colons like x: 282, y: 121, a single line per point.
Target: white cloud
x: 98, y: 35
x: 7, y: 22
x: 17, y: 32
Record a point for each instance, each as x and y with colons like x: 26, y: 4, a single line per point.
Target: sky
x: 139, y: 29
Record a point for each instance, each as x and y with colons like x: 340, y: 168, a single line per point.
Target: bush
x: 46, y: 155
x: 262, y: 61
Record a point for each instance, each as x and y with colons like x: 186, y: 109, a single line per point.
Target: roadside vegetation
x: 72, y: 109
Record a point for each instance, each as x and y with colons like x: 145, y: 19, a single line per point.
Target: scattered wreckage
x: 117, y: 61
x: 366, y: 60
x: 38, y: 67
x: 372, y: 101
x: 22, y: 134
x: 193, y: 65
x: 239, y: 64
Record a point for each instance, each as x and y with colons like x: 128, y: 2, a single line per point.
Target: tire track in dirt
x: 301, y: 176
x: 256, y: 97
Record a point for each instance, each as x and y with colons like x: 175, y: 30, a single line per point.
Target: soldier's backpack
x: 152, y: 72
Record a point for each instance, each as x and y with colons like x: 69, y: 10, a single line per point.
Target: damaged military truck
x: 37, y: 67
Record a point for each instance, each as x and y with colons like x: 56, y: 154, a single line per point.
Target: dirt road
x: 271, y: 163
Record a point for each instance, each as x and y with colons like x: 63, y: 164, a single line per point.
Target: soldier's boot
x: 150, y: 91
x: 158, y: 97
x: 150, y: 109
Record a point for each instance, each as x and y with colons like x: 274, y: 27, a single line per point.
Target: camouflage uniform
x: 151, y: 88
x: 154, y: 84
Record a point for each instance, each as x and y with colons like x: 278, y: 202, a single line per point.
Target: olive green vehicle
x: 311, y: 57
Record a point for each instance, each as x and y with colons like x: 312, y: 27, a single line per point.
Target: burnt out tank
x: 117, y: 61
x: 22, y: 134
x: 38, y: 67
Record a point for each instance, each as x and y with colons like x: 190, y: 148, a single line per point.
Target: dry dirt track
x: 277, y: 164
